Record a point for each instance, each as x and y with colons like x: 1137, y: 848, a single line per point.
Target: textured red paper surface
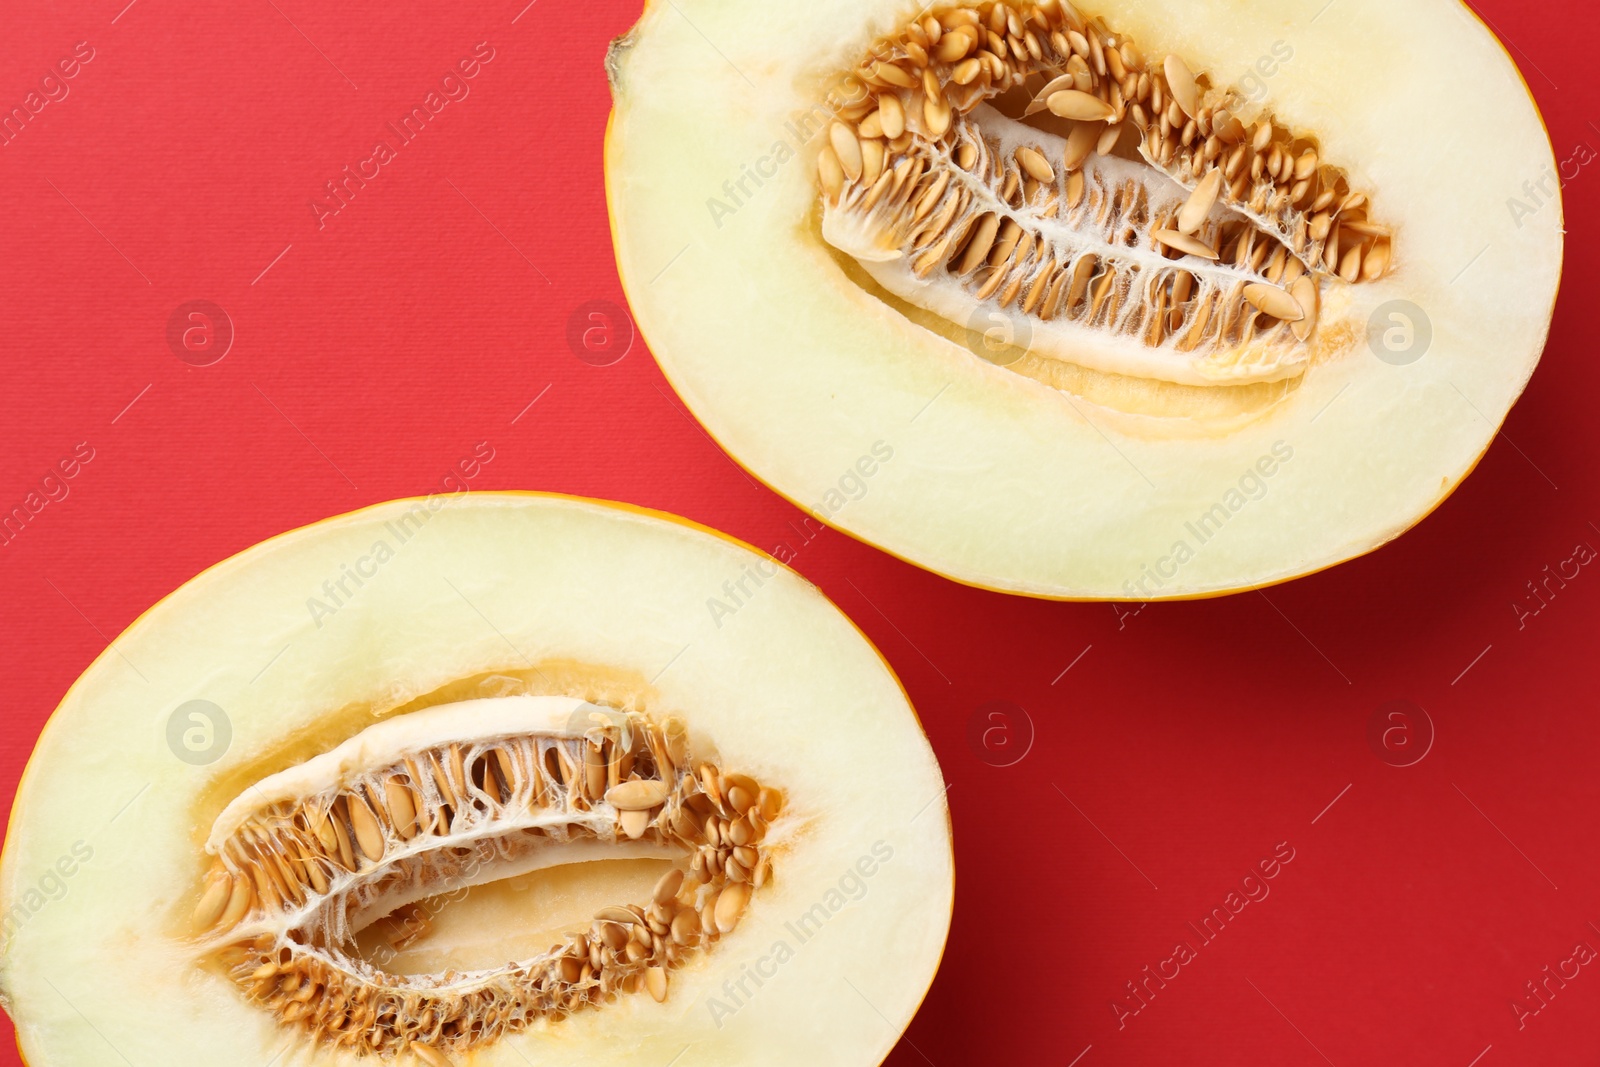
x: 1174, y: 748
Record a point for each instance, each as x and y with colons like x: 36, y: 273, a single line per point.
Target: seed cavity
x: 1146, y: 220
x: 286, y: 893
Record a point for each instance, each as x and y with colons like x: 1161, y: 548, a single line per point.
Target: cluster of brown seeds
x: 291, y: 882
x: 922, y: 161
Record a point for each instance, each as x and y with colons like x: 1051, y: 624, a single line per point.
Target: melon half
x: 1137, y: 299
x: 479, y: 780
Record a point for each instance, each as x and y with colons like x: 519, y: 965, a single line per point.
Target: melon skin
x: 787, y: 689
x: 998, y: 480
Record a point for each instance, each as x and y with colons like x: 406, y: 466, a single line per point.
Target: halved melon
x: 487, y: 783
x: 1137, y: 299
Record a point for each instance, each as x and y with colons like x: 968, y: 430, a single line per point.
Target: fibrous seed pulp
x: 1021, y: 159
x: 308, y: 858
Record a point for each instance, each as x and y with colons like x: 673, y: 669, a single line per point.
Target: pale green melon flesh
x: 998, y: 479
x: 491, y: 587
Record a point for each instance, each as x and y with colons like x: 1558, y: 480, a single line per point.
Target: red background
x: 1185, y: 742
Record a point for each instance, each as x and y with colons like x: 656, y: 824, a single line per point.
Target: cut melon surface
x: 1140, y: 299
x: 479, y: 781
